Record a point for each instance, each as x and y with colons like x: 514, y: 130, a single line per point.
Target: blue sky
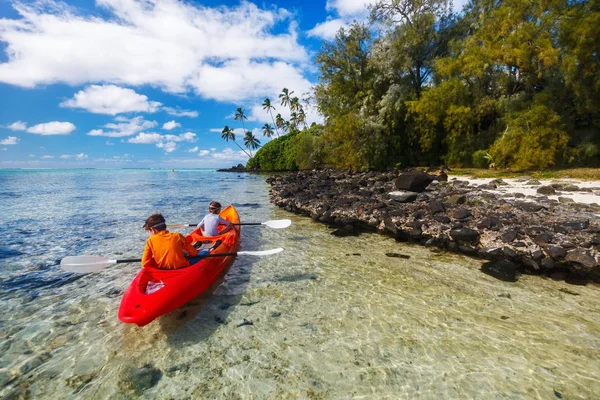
x: 151, y: 83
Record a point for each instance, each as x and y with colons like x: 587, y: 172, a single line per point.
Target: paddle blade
x: 278, y: 223
x: 85, y: 264
x: 261, y: 252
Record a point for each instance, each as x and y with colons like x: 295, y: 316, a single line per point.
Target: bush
x: 479, y: 159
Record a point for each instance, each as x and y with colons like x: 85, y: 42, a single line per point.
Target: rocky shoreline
x: 514, y: 232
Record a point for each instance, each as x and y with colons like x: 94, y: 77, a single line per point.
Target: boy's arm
x: 227, y: 224
x: 147, y: 258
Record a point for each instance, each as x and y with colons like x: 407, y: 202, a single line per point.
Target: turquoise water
x: 330, y: 318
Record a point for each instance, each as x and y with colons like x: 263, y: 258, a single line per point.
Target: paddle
x: 85, y: 264
x: 276, y: 224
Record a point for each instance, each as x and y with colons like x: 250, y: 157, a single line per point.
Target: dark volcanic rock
x: 503, y: 270
x: 413, y: 181
x: 535, y: 235
x: 465, y: 235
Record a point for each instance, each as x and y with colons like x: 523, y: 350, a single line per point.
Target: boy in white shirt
x: 210, y: 223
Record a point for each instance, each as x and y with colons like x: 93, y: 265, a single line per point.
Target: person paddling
x: 165, y: 250
x: 210, y: 223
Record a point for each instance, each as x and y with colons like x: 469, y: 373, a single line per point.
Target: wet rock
x: 509, y: 235
x: 547, y: 190
x: 582, y: 257
x: 464, y: 235
x: 413, y: 181
x: 245, y: 323
x: 397, y: 255
x: 533, y: 182
x: 442, y: 218
x: 403, y: 197
x: 567, y: 226
x: 140, y: 379
x: 456, y: 199
x: 346, y: 230
x: 175, y: 369
x: 491, y: 223
x: 503, y: 270
x: 462, y: 214
x: 565, y: 200
x: 543, y: 238
x: 498, y: 182
x: 436, y: 206
x: 556, y: 252
x: 529, y: 206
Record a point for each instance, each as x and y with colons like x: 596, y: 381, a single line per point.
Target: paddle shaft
x: 132, y: 260
x: 241, y: 223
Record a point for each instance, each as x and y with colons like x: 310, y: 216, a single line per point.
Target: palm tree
x: 240, y: 116
x: 294, y: 120
x: 228, y: 134
x: 294, y: 104
x: 251, y: 142
x: 279, y: 121
x: 267, y: 106
x: 268, y: 130
x: 302, y: 117
x: 285, y: 97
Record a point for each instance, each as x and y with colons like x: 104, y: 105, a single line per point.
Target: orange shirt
x: 165, y: 250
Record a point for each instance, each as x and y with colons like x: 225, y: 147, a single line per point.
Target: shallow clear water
x: 331, y: 318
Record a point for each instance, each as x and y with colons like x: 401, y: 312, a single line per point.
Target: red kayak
x: 155, y: 292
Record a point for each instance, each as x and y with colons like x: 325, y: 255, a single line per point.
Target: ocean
x: 329, y: 318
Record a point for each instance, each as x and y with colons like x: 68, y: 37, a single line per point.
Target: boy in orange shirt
x: 165, y: 250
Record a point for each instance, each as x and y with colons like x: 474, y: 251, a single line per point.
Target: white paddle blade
x: 278, y: 223
x: 85, y: 264
x: 262, y: 252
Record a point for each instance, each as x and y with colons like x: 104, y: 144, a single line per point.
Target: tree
x: 267, y: 106
x: 240, y: 116
x: 267, y: 130
x: 417, y: 35
x: 279, y: 121
x: 251, y: 141
x: 285, y: 97
x: 228, y: 134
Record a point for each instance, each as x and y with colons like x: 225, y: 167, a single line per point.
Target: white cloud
x: 193, y: 150
x: 166, y: 142
x: 203, y: 153
x: 110, y: 99
x: 180, y: 113
x: 328, y: 29
x: 124, y: 127
x: 52, y: 128
x: 17, y: 126
x: 171, y: 125
x: 349, y: 8
x: 146, y: 138
x: 173, y: 45
x: 167, y: 146
x: 109, y: 143
x: 80, y: 156
x: 46, y: 157
x: 10, y: 140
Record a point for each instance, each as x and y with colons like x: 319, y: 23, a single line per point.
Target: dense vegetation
x: 507, y: 83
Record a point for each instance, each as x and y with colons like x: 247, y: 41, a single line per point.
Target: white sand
x: 518, y: 185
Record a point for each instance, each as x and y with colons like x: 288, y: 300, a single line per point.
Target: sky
x: 152, y: 83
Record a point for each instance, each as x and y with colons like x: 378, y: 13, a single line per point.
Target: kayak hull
x: 179, y: 286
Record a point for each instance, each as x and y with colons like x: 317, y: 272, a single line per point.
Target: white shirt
x: 210, y: 224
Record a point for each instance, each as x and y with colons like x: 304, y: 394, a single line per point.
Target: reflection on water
x: 327, y: 318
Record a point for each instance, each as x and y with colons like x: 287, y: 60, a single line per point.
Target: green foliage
x: 534, y: 138
x: 277, y: 155
x: 506, y: 83
x: 480, y: 159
